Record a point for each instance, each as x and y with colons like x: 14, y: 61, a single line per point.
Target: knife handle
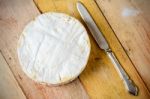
x: 129, y: 85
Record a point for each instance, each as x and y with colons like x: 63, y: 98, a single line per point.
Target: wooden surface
x: 98, y: 81
x: 130, y: 20
x: 9, y: 88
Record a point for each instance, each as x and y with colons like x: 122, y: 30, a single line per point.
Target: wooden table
x: 99, y: 80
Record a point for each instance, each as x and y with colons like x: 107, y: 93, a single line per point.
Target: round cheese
x: 54, y: 48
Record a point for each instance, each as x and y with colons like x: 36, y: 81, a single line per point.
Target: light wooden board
x: 130, y: 19
x: 9, y: 88
x: 100, y: 79
x: 14, y: 15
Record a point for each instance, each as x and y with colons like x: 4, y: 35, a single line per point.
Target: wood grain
x: 9, y: 88
x: 130, y: 19
x: 100, y: 78
x: 14, y: 15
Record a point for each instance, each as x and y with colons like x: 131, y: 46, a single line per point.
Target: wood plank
x: 100, y: 79
x: 9, y: 88
x: 14, y: 15
x: 130, y: 19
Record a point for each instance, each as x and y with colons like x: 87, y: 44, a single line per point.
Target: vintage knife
x: 101, y: 41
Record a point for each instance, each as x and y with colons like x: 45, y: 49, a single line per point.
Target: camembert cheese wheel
x: 54, y: 48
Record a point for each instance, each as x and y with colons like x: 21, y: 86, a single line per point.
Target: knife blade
x: 103, y: 44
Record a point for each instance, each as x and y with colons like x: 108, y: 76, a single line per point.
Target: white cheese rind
x: 54, y: 48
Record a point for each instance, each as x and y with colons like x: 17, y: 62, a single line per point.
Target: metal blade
x: 98, y: 36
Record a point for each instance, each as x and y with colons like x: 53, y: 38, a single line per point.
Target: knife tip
x: 78, y: 3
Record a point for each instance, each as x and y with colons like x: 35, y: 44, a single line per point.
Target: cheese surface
x: 54, y: 48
